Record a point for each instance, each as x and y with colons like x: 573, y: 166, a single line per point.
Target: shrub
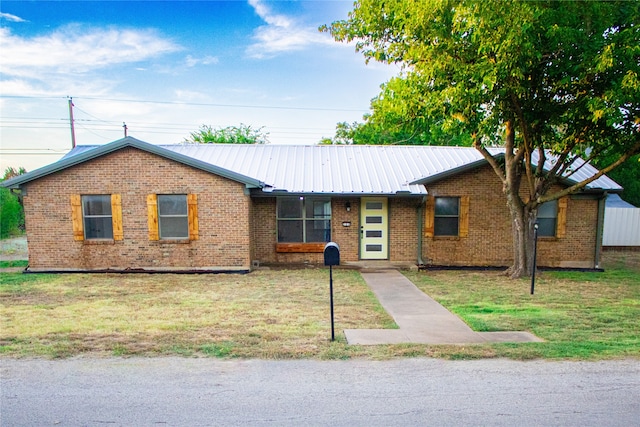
x: 11, y: 213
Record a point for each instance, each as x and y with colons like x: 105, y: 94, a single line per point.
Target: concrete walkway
x: 420, y: 318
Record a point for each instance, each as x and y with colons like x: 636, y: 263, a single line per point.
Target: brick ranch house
x: 133, y: 206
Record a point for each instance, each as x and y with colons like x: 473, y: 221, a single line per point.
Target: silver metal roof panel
x: 332, y: 169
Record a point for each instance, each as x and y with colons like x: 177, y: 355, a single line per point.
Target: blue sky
x: 167, y: 67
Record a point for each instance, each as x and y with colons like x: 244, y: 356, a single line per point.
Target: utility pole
x: 124, y: 125
x: 73, y: 129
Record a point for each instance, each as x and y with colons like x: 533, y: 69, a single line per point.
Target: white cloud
x: 207, y: 60
x: 281, y: 34
x: 10, y: 17
x: 76, y: 49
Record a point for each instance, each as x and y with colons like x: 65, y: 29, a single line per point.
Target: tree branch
x: 489, y: 158
x: 580, y: 185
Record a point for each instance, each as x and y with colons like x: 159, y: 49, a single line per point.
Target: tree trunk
x: 523, y: 220
x: 523, y: 216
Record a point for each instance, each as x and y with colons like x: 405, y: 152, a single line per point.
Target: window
x: 552, y: 218
x: 304, y: 219
x: 447, y: 216
x: 547, y: 217
x: 173, y: 219
x: 96, y: 217
x: 446, y: 220
x: 172, y: 216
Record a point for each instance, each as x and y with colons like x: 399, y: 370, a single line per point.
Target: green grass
x: 10, y: 264
x: 580, y: 315
x: 284, y: 314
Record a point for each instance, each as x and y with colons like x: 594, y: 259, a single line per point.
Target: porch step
x: 374, y: 266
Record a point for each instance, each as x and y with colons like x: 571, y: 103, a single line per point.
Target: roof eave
x: 124, y: 143
x: 286, y: 193
x: 450, y: 172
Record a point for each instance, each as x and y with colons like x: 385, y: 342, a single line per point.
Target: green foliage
x: 10, y: 172
x: 11, y: 213
x: 558, y: 77
x: 242, y: 134
x: 564, y: 74
x: 399, y: 117
x: 14, y: 264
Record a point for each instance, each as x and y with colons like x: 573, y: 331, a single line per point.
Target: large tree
x: 546, y: 79
x: 398, y: 116
x: 243, y: 134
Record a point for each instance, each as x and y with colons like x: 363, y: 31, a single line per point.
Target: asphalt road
x: 208, y: 392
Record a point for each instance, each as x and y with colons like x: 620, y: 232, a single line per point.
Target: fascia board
x: 124, y: 143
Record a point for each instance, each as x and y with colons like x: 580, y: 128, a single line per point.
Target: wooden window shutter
x: 192, y: 204
x: 463, y: 230
x: 76, y: 217
x: 116, y: 216
x: 561, y: 224
x: 429, y: 216
x: 152, y: 216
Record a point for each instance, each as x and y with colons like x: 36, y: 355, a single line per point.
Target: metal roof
x: 579, y: 171
x: 325, y: 169
x: 81, y: 154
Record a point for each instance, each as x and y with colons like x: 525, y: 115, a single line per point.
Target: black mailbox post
x: 331, y: 258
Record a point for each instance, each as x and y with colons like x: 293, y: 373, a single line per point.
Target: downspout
x: 420, y: 225
x: 599, y: 228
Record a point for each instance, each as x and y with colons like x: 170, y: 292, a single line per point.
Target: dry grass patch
x: 267, y: 314
x: 285, y: 314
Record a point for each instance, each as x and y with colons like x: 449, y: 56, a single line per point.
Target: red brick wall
x: 235, y: 229
x: 403, y: 231
x: 265, y: 236
x: 489, y: 239
x: 223, y: 216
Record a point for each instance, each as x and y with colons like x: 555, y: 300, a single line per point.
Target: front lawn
x: 578, y: 314
x: 265, y: 314
x: 285, y: 314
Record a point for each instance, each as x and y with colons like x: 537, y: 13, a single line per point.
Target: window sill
x: 300, y: 247
x: 98, y: 242
x: 446, y: 237
x: 173, y: 241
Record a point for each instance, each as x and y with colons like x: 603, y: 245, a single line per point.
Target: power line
x: 199, y: 104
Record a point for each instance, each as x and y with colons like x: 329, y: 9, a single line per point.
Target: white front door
x: 374, y: 228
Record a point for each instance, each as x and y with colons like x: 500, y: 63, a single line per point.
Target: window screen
x: 96, y: 212
x: 173, y: 219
